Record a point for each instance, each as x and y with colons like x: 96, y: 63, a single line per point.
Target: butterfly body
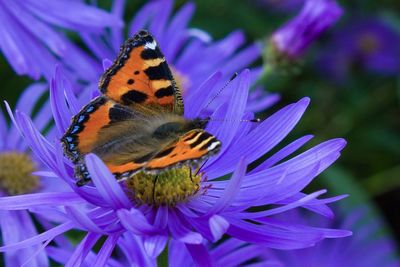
x: 137, y: 124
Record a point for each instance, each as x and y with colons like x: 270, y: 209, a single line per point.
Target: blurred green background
x: 364, y: 109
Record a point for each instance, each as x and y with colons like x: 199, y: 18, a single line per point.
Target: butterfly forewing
x: 140, y: 75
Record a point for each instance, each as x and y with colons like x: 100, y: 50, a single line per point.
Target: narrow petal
x: 49, y: 234
x: 200, y: 255
x: 218, y: 226
x: 262, y: 139
x: 134, y: 221
x: 106, y: 183
x: 82, y: 250
x: 154, y: 245
x: 82, y: 219
x: 231, y: 190
x: 27, y: 201
x: 106, y: 250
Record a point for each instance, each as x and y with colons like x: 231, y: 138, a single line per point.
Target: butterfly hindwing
x: 140, y: 75
x: 196, y: 144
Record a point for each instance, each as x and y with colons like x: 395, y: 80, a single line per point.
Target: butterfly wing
x: 195, y: 145
x: 140, y: 75
x: 86, y: 126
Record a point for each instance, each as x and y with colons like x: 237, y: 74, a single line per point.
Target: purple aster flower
x: 191, y: 53
x: 32, y: 43
x: 189, y: 209
x: 367, y: 247
x: 294, y: 37
x: 370, y: 44
x: 19, y: 176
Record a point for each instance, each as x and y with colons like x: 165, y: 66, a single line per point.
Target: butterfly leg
x: 154, y: 189
x: 82, y: 173
x: 190, y: 171
x: 202, y: 165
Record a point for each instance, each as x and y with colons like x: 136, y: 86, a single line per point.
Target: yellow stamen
x: 16, y: 173
x: 166, y: 188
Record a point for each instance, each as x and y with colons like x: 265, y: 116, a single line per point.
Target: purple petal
x: 39, y: 29
x: 63, y: 13
x: 293, y: 205
x: 218, y: 226
x: 26, y: 103
x: 59, y: 106
x: 178, y: 28
x: 268, y: 134
x: 40, y: 199
x: 47, y: 235
x: 200, y: 255
x: 162, y: 12
x: 178, y: 254
x: 197, y: 100
x: 3, y: 131
x: 82, y: 250
x: 154, y: 245
x: 180, y: 232
x: 106, y: 250
x: 106, y: 183
x: 283, y: 153
x: 133, y: 220
x: 230, y: 191
x: 82, y: 219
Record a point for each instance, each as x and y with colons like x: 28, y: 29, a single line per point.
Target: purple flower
x: 367, y: 247
x: 294, y: 37
x: 18, y: 176
x: 369, y: 44
x: 190, y: 52
x: 225, y: 190
x: 31, y: 41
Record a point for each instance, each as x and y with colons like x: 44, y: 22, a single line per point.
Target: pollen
x: 169, y: 187
x: 16, y: 173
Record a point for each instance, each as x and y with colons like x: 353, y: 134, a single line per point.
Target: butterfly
x: 137, y: 122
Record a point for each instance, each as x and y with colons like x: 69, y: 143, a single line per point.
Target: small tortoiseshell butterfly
x: 137, y: 123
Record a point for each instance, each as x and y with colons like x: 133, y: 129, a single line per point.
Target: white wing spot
x: 151, y: 45
x: 213, y: 145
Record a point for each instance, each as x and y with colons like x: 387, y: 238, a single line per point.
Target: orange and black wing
x: 86, y: 126
x: 195, y: 145
x: 140, y: 75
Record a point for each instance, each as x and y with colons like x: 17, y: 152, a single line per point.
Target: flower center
x: 166, y: 188
x: 182, y: 81
x: 16, y: 173
x: 368, y: 43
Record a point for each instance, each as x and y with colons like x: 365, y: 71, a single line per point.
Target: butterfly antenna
x: 222, y: 89
x: 227, y: 120
x: 154, y: 189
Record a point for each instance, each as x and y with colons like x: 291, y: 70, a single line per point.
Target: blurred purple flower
x: 294, y: 37
x: 16, y: 179
x: 219, y: 207
x: 369, y: 44
x: 281, y: 5
x: 190, y: 52
x: 367, y: 247
x: 31, y: 40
